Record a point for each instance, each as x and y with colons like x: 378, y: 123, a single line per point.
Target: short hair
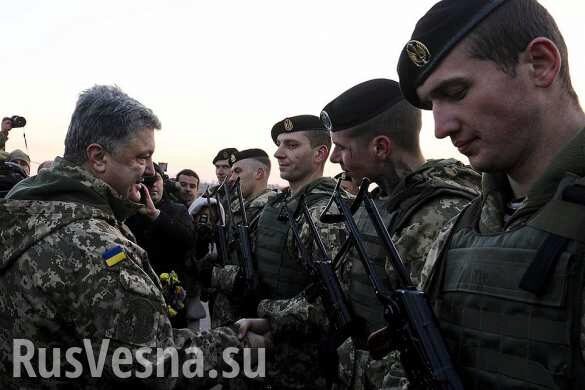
x: 188, y: 172
x: 507, y: 31
x: 318, y: 138
x: 264, y: 161
x: 402, y: 123
x: 105, y: 115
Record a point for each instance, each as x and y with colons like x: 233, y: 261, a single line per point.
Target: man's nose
x: 148, y: 169
x: 278, y: 154
x: 446, y: 122
x: 335, y: 156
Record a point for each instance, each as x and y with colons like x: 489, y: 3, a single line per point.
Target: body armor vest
x: 280, y: 275
x: 500, y: 335
x: 395, y: 213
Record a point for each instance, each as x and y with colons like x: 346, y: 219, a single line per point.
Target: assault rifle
x: 320, y: 267
x: 412, y: 328
x: 241, y: 234
x: 220, y: 227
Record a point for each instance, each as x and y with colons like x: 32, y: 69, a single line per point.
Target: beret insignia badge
x: 288, y: 124
x: 232, y: 159
x: 418, y: 53
x: 326, y: 120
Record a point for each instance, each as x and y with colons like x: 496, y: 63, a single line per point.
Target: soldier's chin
x: 134, y: 193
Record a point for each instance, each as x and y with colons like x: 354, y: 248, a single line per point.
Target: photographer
x: 7, y: 125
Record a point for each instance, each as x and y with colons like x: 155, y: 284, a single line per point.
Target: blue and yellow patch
x: 114, y: 256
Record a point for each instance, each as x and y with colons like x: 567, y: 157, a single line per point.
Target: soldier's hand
x: 257, y: 325
x: 254, y: 340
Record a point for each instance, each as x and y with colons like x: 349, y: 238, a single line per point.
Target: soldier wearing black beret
x: 507, y: 277
x: 252, y: 168
x: 303, y: 145
x: 223, y: 162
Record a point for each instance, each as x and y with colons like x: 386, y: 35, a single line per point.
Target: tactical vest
x: 500, y: 335
x: 395, y: 213
x: 281, y: 276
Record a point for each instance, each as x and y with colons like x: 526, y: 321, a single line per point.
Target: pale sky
x: 217, y: 73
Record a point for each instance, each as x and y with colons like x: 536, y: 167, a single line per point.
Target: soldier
x: 376, y: 135
x: 252, y: 167
x: 223, y: 163
x: 303, y: 148
x: 506, y: 278
x: 72, y: 273
x: 199, y: 209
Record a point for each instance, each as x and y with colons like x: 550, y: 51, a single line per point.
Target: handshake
x: 255, y: 332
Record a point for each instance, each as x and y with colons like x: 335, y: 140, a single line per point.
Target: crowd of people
x: 101, y: 244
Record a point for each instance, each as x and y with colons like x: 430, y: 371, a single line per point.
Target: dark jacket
x: 168, y: 238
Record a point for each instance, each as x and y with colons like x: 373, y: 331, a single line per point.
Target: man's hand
x: 150, y: 209
x: 259, y: 326
x: 255, y: 340
x: 6, y: 126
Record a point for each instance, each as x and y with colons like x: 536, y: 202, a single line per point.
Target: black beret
x: 435, y: 34
x: 225, y: 154
x: 360, y: 104
x: 248, y: 153
x: 297, y: 123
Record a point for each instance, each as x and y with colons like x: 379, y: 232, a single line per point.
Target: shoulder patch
x: 114, y: 255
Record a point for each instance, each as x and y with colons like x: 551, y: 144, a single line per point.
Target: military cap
x: 249, y: 153
x: 18, y: 154
x: 297, y: 123
x: 434, y: 36
x: 360, y: 104
x: 225, y: 154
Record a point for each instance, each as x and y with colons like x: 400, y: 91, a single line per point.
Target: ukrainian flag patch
x: 114, y: 256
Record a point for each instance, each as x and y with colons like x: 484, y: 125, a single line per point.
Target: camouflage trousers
x: 358, y: 371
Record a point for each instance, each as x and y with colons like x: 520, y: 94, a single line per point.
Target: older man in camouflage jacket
x: 73, y: 276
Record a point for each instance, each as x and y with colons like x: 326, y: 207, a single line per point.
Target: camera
x: 18, y: 121
x: 148, y: 180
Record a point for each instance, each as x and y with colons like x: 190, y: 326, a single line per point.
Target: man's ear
x: 381, y: 147
x: 259, y: 175
x: 321, y: 154
x: 96, y: 158
x: 545, y: 60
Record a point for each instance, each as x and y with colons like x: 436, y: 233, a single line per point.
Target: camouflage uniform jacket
x: 293, y: 361
x: 413, y: 238
x: 58, y: 289
x: 494, y: 218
